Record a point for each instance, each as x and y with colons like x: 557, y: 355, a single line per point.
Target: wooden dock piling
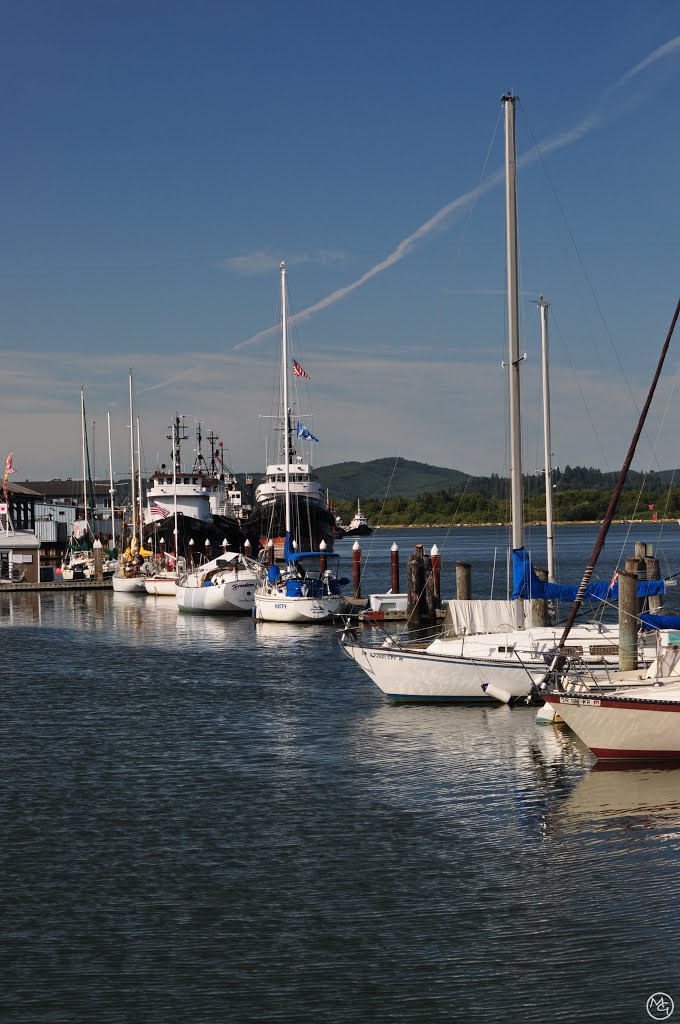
x: 628, y: 616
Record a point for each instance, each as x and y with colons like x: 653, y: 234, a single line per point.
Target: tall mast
x: 140, y: 496
x: 284, y: 370
x: 547, y: 450
x: 83, y: 429
x: 513, y: 322
x: 112, y: 491
x: 133, y: 492
x: 174, y: 487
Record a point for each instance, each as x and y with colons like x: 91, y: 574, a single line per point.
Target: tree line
x: 485, y: 505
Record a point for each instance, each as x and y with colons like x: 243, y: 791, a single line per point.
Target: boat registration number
x: 581, y: 701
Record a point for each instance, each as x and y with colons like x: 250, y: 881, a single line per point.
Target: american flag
x: 158, y: 511
x: 299, y: 372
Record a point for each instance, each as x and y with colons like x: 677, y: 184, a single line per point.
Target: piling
x: 356, y: 568
x: 463, y: 581
x: 191, y: 553
x: 323, y: 560
x: 540, y: 615
x: 628, y: 617
x: 208, y: 550
x: 270, y: 552
x: 436, y: 564
x: 415, y: 587
x: 248, y: 549
x: 655, y: 603
x: 98, y: 552
x: 394, y: 555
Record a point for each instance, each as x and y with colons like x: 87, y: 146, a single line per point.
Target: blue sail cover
x: 660, y: 621
x: 526, y: 584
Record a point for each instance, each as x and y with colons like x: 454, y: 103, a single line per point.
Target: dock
x: 7, y: 587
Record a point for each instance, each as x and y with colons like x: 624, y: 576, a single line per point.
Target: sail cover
x: 526, y: 584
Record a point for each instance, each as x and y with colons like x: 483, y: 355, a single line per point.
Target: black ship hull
x: 159, y: 535
x: 311, y: 523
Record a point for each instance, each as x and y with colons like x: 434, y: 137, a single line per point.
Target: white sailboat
x: 498, y: 662
x: 132, y: 569
x: 163, y: 582
x: 305, y: 589
x: 223, y: 585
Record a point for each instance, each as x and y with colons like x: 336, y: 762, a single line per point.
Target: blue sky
x: 160, y: 159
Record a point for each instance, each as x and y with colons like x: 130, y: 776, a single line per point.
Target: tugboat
x: 359, y: 526
x: 205, y: 506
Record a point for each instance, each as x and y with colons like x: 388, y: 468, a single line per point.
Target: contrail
x: 584, y: 127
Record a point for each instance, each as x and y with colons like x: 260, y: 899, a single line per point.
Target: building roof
x: 70, y: 491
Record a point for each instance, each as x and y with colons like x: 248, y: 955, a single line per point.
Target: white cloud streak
x: 584, y: 127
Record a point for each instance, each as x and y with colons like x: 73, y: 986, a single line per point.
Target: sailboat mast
x: 112, y: 491
x: 284, y: 370
x: 549, y: 515
x: 174, y: 483
x: 513, y: 322
x: 83, y: 429
x: 133, y: 492
x: 140, y: 496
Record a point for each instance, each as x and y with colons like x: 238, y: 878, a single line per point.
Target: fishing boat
x: 359, y: 525
x: 488, y: 651
x: 194, y: 511
x: 306, y: 588
x: 223, y: 585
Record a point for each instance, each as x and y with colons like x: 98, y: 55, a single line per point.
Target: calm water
x: 206, y: 820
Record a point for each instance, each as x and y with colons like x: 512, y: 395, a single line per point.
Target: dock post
x: 628, y: 618
x: 356, y: 568
x: 539, y: 606
x: 436, y: 563
x: 463, y: 581
x: 415, y: 577
x: 208, y: 550
x: 323, y: 561
x: 192, y: 544
x: 98, y: 559
x: 654, y: 573
x: 248, y: 549
x: 394, y: 556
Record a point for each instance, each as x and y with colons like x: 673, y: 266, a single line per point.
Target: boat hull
x: 415, y: 677
x: 160, y: 586
x: 314, y: 522
x: 128, y: 584
x: 230, y: 598
x: 623, y: 728
x: 281, y: 608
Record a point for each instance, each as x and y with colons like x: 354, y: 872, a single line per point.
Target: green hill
x: 400, y: 478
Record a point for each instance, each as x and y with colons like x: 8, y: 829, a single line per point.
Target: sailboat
x: 499, y: 662
x: 132, y: 569
x: 79, y: 562
x: 639, y: 720
x: 163, y: 581
x: 307, y: 587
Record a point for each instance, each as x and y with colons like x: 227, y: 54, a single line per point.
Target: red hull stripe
x: 637, y: 755
x: 635, y: 705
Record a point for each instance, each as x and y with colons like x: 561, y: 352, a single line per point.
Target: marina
x: 194, y: 816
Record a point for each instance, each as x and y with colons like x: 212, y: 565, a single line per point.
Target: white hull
x: 280, y: 608
x: 418, y: 677
x: 128, y: 584
x: 161, y: 586
x: 231, y: 597
x: 639, y: 724
x: 457, y: 669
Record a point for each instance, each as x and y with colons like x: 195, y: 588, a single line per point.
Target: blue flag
x: 305, y: 434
